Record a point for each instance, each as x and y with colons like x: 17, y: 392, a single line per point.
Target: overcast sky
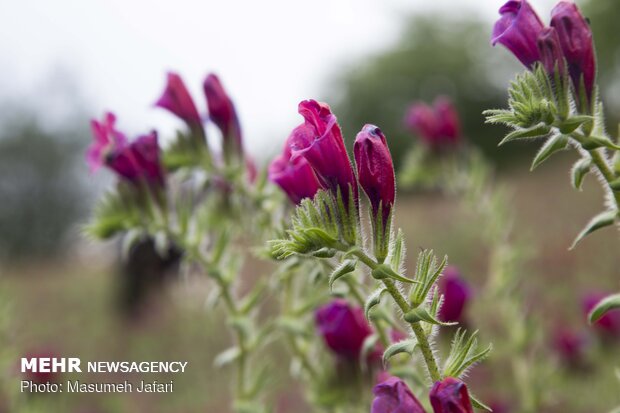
x: 270, y: 54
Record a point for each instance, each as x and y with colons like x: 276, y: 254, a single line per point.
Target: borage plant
x: 192, y: 202
x: 557, y: 99
x: 327, y: 225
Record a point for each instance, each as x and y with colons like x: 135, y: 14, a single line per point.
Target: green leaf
x: 397, y: 252
x: 536, y: 131
x: 554, y: 144
x: 373, y: 299
x: 572, y: 123
x: 345, y: 267
x: 227, y: 356
x: 405, y: 346
x: 383, y: 271
x: 478, y: 404
x: 464, y: 354
x: 604, y: 219
x: 580, y: 169
x: 609, y: 303
x: 421, y: 314
x: 369, y: 345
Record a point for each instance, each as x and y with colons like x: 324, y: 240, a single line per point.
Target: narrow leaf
x: 478, y: 404
x: 554, y: 144
x: 534, y: 132
x: 421, y: 314
x: 604, y: 219
x: 373, y: 299
x: 345, y: 267
x: 609, y: 303
x: 579, y: 171
x: 227, y: 356
x: 405, y: 346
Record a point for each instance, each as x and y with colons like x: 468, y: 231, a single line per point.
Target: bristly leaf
x: 405, y: 346
x: 604, y: 219
x: 608, y: 303
x: 113, y: 214
x: 317, y: 226
x: 427, y: 273
x: 554, y: 144
x: 373, y: 299
x: 397, y: 252
x: 475, y: 402
x: 464, y: 354
x: 579, y: 171
x: 422, y: 314
x: 537, y: 131
x: 345, y: 267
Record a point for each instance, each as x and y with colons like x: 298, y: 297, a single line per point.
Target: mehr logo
x: 50, y: 365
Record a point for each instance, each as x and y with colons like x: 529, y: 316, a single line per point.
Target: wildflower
x: 393, y: 396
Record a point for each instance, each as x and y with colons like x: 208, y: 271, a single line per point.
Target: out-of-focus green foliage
x: 41, y: 192
x: 435, y: 55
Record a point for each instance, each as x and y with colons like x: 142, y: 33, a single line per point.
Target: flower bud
x: 393, y: 396
x: 438, y: 126
x: 223, y: 113
x: 139, y: 161
x: 294, y: 176
x: 343, y: 328
x: 375, y: 173
x: 609, y: 324
x: 450, y: 396
x: 551, y: 51
x: 177, y: 100
x: 518, y: 29
x: 575, y: 38
x: 319, y: 141
x: 569, y: 346
x: 105, y: 139
x: 456, y: 295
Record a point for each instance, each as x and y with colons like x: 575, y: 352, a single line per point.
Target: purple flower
x: 223, y: 113
x: 609, y: 324
x: 456, y: 294
x: 294, y: 176
x: 343, y: 328
x: 106, y: 139
x: 375, y: 170
x: 438, y: 126
x: 177, y: 100
x: 551, y: 51
x: 139, y: 161
x: 450, y: 396
x: 518, y: 29
x: 575, y: 37
x: 569, y: 346
x: 319, y: 141
x: 393, y: 396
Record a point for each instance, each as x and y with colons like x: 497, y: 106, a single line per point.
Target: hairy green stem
x: 601, y: 164
x: 423, y: 343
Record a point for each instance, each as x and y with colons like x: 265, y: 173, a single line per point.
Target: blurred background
x: 65, y: 62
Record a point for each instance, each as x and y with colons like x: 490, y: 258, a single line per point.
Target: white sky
x: 270, y: 54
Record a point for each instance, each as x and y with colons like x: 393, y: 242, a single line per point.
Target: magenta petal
x: 176, y: 99
x: 223, y: 113
x: 343, y: 328
x: 392, y: 395
x: 517, y: 29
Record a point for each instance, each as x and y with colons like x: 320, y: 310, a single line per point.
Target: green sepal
x: 404, y: 346
x: 345, y: 267
x: 580, y: 169
x: 421, y: 314
x: 324, y: 253
x: 602, y: 220
x: 594, y: 142
x: 552, y: 145
x: 464, y: 354
x: 608, y: 303
x: 373, y: 299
